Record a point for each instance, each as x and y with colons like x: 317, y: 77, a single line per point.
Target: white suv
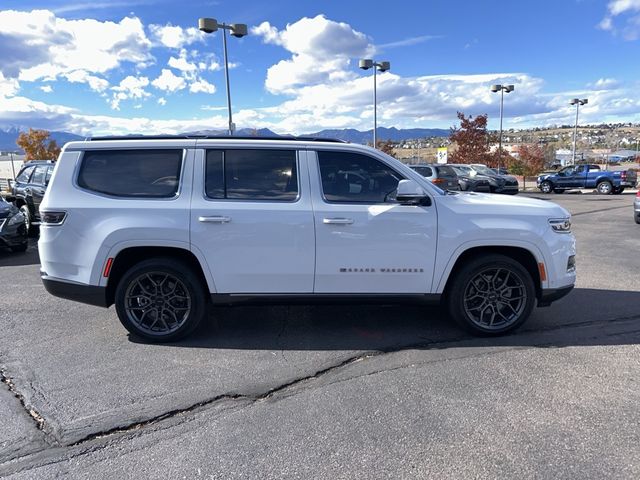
x: 163, y: 226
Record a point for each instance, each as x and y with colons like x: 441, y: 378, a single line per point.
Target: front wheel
x: 546, y: 187
x: 160, y: 300
x: 604, y: 188
x: 491, y: 295
x: 28, y: 221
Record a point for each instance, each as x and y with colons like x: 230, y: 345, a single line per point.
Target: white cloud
x: 321, y: 50
x: 95, y: 83
x: 162, y: 101
x: 628, y: 8
x: 174, y: 36
x: 46, y: 88
x: 38, y: 45
x: 181, y: 63
x: 169, y: 81
x: 8, y: 86
x: 409, y: 41
x: 202, y: 86
x: 604, y: 84
x: 129, y: 87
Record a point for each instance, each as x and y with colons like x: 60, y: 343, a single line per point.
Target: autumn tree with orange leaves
x: 37, y: 146
x: 472, y: 139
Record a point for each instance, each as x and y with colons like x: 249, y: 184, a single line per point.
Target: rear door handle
x: 215, y: 219
x: 337, y: 221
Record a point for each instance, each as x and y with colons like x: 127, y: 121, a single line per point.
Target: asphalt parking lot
x: 333, y: 391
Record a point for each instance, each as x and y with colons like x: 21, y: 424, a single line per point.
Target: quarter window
x: 355, y: 178
x: 251, y: 175
x: 38, y: 175
x: 132, y: 173
x: 424, y: 171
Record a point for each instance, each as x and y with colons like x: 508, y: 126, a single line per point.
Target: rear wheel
x: 491, y: 295
x: 546, y: 187
x: 637, y: 218
x: 604, y: 188
x: 160, y: 300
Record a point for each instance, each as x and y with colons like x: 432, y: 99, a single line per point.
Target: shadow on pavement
x: 585, y: 317
x: 17, y: 259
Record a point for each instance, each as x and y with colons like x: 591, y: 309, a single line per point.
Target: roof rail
x: 220, y: 137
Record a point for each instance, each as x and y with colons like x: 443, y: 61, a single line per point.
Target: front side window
x: 241, y: 174
x: 132, y: 173
x: 355, y: 178
x: 39, y: 174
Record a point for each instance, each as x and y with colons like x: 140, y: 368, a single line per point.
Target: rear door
x: 36, y: 187
x: 251, y: 218
x: 449, y: 178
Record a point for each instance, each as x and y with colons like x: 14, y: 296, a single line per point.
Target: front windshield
x: 483, y: 170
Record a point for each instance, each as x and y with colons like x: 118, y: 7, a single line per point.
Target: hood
x: 7, y: 209
x: 484, y: 203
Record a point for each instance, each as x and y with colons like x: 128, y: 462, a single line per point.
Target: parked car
x: 13, y: 231
x: 441, y: 175
x: 636, y: 208
x: 29, y: 188
x: 470, y: 181
x: 498, y: 183
x: 164, y: 226
x: 587, y: 176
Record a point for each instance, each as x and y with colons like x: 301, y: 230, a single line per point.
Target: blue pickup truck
x: 587, y: 176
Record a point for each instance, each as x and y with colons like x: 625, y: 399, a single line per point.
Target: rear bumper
x: 550, y: 295
x: 89, y: 294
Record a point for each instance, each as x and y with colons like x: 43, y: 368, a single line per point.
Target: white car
x: 163, y: 226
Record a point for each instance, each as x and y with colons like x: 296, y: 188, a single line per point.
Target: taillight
x: 438, y: 180
x: 52, y: 218
x: 623, y: 176
x: 638, y: 194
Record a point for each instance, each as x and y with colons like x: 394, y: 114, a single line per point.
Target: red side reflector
x: 107, y: 267
x: 543, y: 272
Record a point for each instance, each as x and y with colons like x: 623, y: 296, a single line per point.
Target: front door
x: 251, y: 219
x: 365, y: 241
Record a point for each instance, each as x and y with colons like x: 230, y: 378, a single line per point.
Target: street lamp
x: 366, y: 64
x: 577, y: 102
x: 501, y: 89
x: 210, y: 25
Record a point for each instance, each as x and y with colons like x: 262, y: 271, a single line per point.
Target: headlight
x: 16, y: 219
x: 560, y: 225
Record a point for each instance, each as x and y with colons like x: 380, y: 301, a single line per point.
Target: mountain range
x: 9, y: 136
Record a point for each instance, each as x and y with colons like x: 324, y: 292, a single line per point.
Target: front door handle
x: 337, y: 221
x: 215, y: 219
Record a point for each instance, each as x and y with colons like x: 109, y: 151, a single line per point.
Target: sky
x: 141, y: 66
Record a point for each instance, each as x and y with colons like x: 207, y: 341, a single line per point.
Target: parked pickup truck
x: 587, y: 176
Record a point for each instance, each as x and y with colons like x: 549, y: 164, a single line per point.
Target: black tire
x: 637, y: 218
x: 163, y: 292
x: 463, y: 295
x: 558, y: 190
x: 605, y: 187
x: 546, y: 187
x: 618, y: 190
x: 32, y: 230
x: 20, y: 248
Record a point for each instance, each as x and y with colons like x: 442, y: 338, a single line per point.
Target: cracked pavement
x: 332, y: 391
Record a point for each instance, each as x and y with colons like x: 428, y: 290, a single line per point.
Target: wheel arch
x: 130, y: 256
x: 520, y: 254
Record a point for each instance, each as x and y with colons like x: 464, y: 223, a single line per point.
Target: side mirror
x: 410, y: 193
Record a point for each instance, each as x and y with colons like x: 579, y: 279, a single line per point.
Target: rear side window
x: 132, y: 173
x: 38, y: 175
x: 252, y: 175
x: 24, y: 175
x: 446, y: 171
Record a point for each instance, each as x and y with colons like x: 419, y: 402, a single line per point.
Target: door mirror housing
x: 411, y: 193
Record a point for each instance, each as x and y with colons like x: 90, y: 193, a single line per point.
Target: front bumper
x: 550, y: 295
x: 12, y: 235
x: 78, y: 292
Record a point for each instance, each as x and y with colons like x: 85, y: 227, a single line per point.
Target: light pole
x: 577, y: 102
x: 210, y: 25
x: 366, y: 64
x: 501, y: 89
